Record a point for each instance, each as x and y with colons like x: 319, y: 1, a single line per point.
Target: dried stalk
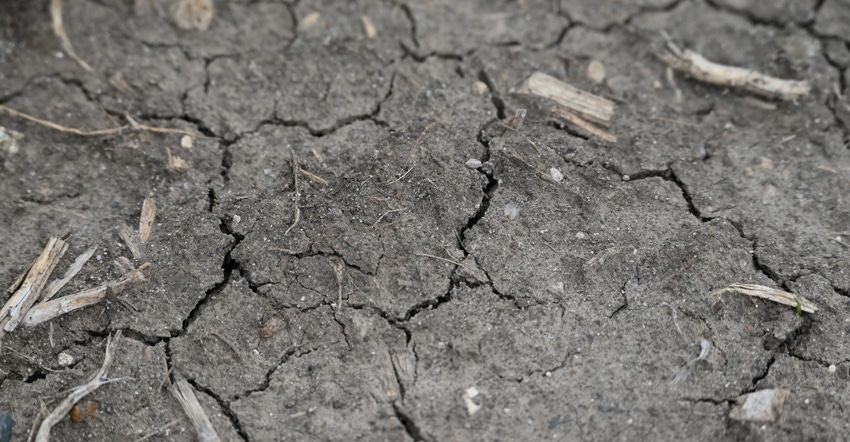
x: 771, y: 294
x: 59, y: 30
x: 30, y: 290
x: 697, y: 66
x: 184, y: 394
x: 46, y: 311
x: 65, y: 406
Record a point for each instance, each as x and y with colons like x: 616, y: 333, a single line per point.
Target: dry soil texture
x: 410, y: 277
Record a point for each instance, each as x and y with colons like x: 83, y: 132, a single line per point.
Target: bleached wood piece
x: 588, y: 106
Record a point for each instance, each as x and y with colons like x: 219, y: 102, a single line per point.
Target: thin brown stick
x: 418, y: 139
x: 158, y: 430
x: 65, y: 406
x: 100, y: 132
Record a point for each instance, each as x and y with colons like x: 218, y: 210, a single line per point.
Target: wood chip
x: 147, y: 219
x: 588, y: 106
x: 368, y: 27
x: 771, y: 294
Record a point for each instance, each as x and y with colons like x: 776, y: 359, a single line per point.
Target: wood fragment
x: 58, y: 413
x: 147, y: 219
x: 72, y: 271
x: 30, y: 290
x: 183, y: 392
x: 368, y: 27
x: 129, y: 237
x: 46, y: 311
x: 771, y: 294
x: 697, y: 66
x: 59, y: 30
x: 581, y: 123
x: 588, y: 106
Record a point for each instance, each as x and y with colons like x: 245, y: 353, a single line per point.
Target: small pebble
x: 186, y: 142
x: 581, y: 235
x: 831, y: 369
x: 556, y: 174
x: 511, y: 211
x: 626, y: 177
x: 472, y: 163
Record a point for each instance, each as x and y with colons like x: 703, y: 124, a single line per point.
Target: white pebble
x: 511, y: 211
x: 831, y: 369
x: 556, y: 174
x: 472, y: 163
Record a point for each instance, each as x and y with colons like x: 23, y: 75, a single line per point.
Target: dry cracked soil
x: 410, y: 277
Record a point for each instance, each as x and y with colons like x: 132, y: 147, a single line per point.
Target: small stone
x: 472, y: 163
x: 556, y: 174
x: 831, y: 369
x: 65, y: 359
x: 596, y: 72
x: 186, y: 142
x: 761, y: 406
x: 511, y: 211
x: 481, y: 87
x: 626, y: 177
x: 581, y: 235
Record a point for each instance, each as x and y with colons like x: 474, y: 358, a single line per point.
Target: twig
x: 697, y: 66
x: 383, y: 215
x: 182, y: 391
x: 313, y: 177
x: 295, y: 168
x: 65, y: 406
x: 452, y: 261
x: 46, y: 311
x: 418, y: 139
x: 100, y: 132
x: 158, y: 430
x: 59, y: 30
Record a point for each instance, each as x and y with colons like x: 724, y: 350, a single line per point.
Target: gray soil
x: 571, y: 318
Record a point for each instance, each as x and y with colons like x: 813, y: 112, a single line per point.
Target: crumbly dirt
x: 409, y: 277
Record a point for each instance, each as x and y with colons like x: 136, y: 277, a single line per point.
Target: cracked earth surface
x: 405, y: 282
